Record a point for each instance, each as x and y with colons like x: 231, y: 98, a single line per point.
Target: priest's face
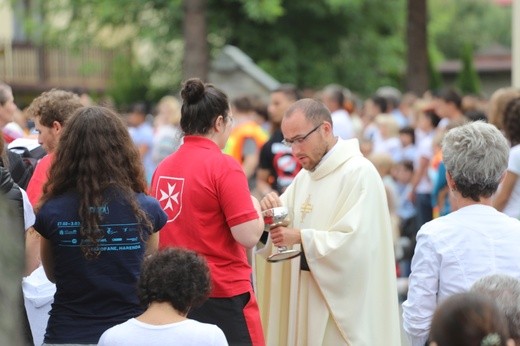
x: 306, y: 139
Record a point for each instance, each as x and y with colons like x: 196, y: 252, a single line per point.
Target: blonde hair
x: 388, y: 122
x: 171, y: 110
x: 382, y: 162
x: 498, y: 103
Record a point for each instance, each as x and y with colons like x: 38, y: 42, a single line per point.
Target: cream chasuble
x: 349, y: 296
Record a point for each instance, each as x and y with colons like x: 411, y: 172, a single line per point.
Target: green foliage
x: 114, y: 24
x: 434, y: 77
x: 129, y: 81
x: 454, y: 23
x: 263, y: 10
x: 374, y: 50
x: 468, y: 81
x: 357, y: 43
x: 158, y: 20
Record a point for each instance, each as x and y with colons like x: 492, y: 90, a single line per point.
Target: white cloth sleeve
x: 423, y: 287
x: 514, y: 160
x: 28, y: 212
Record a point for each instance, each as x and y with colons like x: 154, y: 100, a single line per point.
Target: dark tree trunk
x: 417, y: 55
x: 196, y: 51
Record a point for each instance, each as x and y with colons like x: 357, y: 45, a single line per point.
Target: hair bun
x: 192, y: 90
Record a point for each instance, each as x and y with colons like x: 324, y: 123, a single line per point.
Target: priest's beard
x: 315, y: 157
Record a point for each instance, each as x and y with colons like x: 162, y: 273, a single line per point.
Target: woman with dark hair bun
x: 96, y: 224
x: 211, y: 211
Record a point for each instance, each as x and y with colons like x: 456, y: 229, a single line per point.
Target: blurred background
x: 126, y: 50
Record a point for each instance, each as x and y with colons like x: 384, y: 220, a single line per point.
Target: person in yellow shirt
x: 247, y: 137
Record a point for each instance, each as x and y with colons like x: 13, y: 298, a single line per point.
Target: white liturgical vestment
x: 348, y: 296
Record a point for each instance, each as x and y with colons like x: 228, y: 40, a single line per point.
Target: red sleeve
x: 38, y: 179
x: 234, y: 194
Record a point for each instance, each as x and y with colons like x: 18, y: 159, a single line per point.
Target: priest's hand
x: 271, y: 200
x: 285, y: 236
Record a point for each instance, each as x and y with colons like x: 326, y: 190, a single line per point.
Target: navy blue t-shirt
x: 93, y: 295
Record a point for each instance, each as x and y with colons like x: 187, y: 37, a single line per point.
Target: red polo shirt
x: 204, y: 193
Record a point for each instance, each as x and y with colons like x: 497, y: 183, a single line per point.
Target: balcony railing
x: 26, y: 66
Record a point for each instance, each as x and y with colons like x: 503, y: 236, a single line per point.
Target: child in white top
x: 171, y: 282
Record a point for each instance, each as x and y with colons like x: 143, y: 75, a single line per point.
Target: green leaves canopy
x: 357, y: 43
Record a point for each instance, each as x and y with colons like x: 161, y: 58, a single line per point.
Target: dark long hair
x: 95, y: 153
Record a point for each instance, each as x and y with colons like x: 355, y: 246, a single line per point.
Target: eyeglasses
x: 300, y: 140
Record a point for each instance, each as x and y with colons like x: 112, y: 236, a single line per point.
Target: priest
x: 342, y: 289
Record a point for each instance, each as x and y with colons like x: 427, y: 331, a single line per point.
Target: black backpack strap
x: 21, y: 170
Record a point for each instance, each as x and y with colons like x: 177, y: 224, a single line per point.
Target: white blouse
x: 453, y: 252
x: 512, y: 207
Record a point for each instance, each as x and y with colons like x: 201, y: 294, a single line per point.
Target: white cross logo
x: 170, y: 195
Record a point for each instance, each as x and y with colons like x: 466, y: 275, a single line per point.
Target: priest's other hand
x: 285, y: 236
x: 271, y: 200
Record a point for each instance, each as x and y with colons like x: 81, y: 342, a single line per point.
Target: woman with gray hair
x: 505, y: 292
x: 476, y: 240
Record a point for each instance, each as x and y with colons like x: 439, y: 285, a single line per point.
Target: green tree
x: 129, y: 81
x: 310, y: 43
x: 434, y: 77
x: 468, y: 80
x: 358, y: 44
x: 454, y: 23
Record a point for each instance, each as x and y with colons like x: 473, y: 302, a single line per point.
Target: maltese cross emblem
x: 169, y: 194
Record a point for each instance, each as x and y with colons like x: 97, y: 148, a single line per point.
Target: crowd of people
x: 148, y: 225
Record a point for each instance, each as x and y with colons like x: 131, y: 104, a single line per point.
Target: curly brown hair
x: 176, y: 276
x: 512, y: 121
x: 95, y: 153
x: 54, y: 105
